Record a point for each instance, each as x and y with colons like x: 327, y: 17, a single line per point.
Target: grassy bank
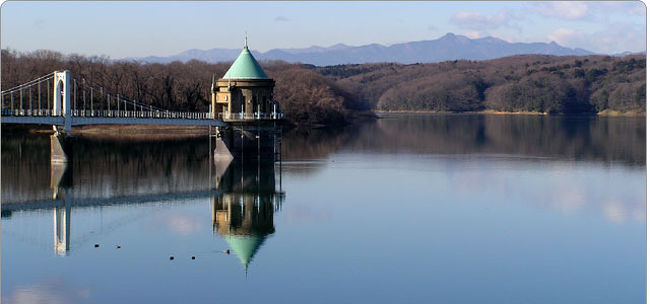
x: 494, y: 112
x: 612, y: 113
x: 121, y: 132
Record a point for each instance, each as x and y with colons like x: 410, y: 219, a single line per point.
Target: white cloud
x: 183, y: 225
x: 595, y: 11
x: 53, y: 291
x: 620, y: 37
x: 638, y: 9
x: 478, y: 21
x: 565, y: 36
x: 632, y: 8
x: 472, y: 34
x: 614, y: 212
x: 179, y: 224
x: 616, y: 38
x: 569, y: 10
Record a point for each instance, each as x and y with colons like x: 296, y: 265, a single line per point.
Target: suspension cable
x: 28, y: 83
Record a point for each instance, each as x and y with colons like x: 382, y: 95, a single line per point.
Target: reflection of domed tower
x: 245, y: 92
x: 243, y: 213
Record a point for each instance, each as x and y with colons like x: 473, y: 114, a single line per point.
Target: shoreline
x: 459, y: 113
x: 122, y: 132
x: 140, y: 132
x: 605, y: 113
x: 162, y: 132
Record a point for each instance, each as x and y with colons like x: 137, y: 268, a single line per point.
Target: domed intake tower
x: 245, y: 92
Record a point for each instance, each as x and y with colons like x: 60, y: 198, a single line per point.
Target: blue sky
x: 133, y: 29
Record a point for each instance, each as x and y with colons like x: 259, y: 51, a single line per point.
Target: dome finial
x: 246, y: 39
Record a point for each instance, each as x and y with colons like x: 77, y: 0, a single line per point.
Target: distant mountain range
x: 447, y: 47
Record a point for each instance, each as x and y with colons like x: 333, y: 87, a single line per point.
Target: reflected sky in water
x: 448, y: 209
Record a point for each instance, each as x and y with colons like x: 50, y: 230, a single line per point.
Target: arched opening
x: 59, y: 96
x: 61, y: 88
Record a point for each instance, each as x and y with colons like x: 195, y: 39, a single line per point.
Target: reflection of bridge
x: 63, y: 209
x: 253, y: 182
x: 111, y: 201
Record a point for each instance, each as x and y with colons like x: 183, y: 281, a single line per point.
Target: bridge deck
x: 109, y: 201
x: 78, y: 121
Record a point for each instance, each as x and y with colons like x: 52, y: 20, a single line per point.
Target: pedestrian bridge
x: 59, y: 99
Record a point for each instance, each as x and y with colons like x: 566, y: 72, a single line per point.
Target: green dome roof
x: 245, y: 67
x: 245, y: 246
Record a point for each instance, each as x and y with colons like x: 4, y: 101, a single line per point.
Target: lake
x: 405, y: 209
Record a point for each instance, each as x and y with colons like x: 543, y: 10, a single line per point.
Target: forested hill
x: 523, y: 83
x: 334, y: 95
x: 306, y: 97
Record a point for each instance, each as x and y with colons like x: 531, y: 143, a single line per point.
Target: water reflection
x: 562, y: 199
x: 243, y: 211
x: 598, y: 139
x: 244, y: 194
x: 102, y: 170
x: 62, y: 229
x: 601, y: 139
x: 111, y: 169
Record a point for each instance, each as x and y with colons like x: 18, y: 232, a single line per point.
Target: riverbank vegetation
x: 336, y: 95
x: 307, y: 98
x: 525, y: 83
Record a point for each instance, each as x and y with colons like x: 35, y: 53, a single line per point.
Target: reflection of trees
x: 243, y: 213
x: 313, y: 144
x: 25, y: 166
x: 102, y: 169
x: 606, y: 139
x: 300, y: 144
x: 110, y: 168
x: 600, y: 139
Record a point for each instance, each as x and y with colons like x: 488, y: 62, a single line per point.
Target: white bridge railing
x: 109, y: 114
x: 61, y: 95
x: 253, y: 116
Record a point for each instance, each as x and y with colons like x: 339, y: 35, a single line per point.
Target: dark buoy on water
x: 193, y: 258
x: 171, y: 257
x: 118, y: 246
x: 96, y: 245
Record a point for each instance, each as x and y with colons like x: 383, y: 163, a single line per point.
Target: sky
x: 135, y: 29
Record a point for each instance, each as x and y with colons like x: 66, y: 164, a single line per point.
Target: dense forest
x: 523, y: 83
x: 307, y: 98
x: 332, y: 95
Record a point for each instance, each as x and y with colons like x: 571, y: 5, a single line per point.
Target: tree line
x: 530, y: 83
x: 332, y: 95
x: 306, y: 97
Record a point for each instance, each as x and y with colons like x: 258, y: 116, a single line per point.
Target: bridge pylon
x: 61, y: 94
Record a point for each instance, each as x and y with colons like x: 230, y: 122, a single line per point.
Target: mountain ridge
x: 447, y: 47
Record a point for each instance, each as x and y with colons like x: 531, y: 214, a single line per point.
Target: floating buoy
x: 96, y: 245
x: 171, y: 257
x: 193, y: 258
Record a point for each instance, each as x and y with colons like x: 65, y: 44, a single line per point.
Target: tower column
x: 62, y: 104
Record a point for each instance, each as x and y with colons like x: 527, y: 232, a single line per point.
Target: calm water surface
x: 407, y: 209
